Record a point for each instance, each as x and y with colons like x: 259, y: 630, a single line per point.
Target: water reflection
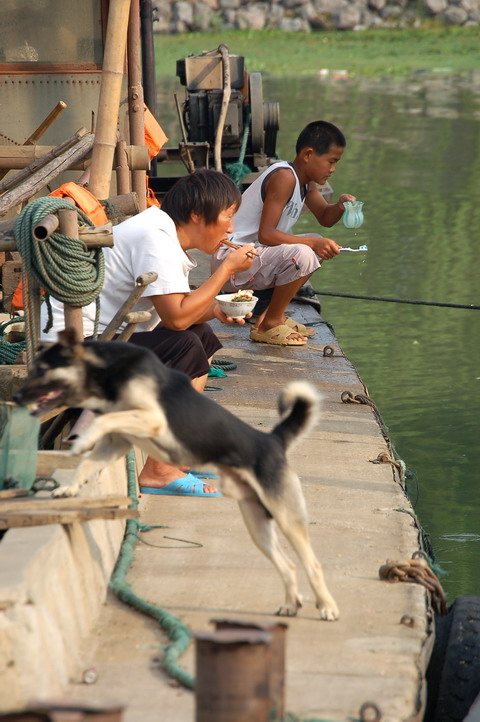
x: 413, y: 157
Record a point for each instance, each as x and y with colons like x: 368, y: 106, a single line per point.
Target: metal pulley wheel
x: 271, y: 123
x: 256, y: 111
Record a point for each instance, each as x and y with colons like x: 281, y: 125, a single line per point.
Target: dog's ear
x: 70, y: 342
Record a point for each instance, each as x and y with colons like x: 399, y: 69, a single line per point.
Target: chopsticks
x: 237, y: 245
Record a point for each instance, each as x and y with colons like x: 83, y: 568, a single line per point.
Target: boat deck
x: 359, y: 518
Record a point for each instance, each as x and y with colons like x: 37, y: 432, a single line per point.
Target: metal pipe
x: 217, y: 153
x: 148, y: 62
x: 135, y: 98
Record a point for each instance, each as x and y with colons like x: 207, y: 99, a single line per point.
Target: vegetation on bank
x: 366, y: 52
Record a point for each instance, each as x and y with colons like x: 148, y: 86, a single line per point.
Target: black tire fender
x: 453, y: 674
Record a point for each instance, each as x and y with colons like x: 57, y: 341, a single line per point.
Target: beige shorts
x: 275, y: 266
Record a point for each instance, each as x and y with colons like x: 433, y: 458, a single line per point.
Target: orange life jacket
x: 85, y: 200
x: 155, y: 138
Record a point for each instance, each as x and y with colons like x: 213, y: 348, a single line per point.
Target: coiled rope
x: 9, y: 351
x: 178, y: 633
x: 237, y: 170
x: 63, y: 266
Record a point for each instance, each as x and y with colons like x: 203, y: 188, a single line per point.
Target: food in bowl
x: 237, y: 305
x: 242, y: 296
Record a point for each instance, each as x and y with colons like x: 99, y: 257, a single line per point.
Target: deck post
x: 232, y: 673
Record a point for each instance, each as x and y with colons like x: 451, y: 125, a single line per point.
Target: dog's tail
x: 298, y: 404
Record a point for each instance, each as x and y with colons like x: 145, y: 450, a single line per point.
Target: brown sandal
x: 299, y: 327
x: 277, y: 336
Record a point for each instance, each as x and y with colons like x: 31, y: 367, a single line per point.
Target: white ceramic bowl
x: 235, y: 309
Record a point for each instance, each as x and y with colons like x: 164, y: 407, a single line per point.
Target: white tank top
x: 246, y: 220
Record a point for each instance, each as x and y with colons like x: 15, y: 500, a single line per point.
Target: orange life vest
x: 85, y: 200
x: 155, y: 138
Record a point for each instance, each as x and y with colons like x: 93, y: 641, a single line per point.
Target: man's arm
x: 327, y: 214
x: 179, y: 311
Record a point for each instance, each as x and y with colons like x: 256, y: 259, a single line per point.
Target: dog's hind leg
x: 109, y: 449
x: 291, y: 519
x: 262, y: 530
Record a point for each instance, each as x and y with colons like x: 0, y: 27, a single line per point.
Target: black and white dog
x: 138, y: 401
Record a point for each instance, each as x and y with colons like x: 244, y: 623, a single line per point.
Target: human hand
x: 240, y: 259
x: 345, y: 198
x: 218, y: 313
x: 325, y: 248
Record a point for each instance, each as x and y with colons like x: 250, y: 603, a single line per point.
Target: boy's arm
x: 278, y: 191
x: 327, y: 214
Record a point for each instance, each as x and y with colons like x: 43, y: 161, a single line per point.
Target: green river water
x: 413, y: 157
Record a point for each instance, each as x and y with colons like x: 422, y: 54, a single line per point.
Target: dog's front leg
x: 109, y: 449
x: 135, y: 422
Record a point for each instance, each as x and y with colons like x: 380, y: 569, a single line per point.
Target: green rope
x: 237, y: 170
x: 9, y: 351
x: 178, y: 633
x: 63, y: 266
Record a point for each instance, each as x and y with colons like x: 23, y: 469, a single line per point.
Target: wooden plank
x: 49, y: 460
x: 26, y: 504
x: 10, y: 520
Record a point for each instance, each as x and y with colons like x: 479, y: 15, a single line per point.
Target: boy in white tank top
x: 270, y: 207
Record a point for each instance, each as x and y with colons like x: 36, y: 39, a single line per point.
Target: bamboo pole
x: 109, y: 99
x: 43, y: 176
x: 121, y: 168
x: 92, y: 236
x: 136, y: 114
x: 69, y: 227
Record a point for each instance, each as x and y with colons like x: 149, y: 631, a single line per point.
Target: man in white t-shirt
x: 196, y: 213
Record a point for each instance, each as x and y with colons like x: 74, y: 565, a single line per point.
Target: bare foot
x: 156, y: 474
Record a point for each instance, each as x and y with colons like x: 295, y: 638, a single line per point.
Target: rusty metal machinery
x: 224, y: 120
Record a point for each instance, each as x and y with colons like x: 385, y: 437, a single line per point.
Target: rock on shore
x: 180, y: 16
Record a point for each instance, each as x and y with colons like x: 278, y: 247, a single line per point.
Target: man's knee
x: 305, y: 257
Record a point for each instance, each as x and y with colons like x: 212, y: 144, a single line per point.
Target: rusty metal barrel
x: 233, y: 675
x: 278, y: 631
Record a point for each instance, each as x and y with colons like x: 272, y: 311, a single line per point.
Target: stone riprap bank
x: 179, y: 16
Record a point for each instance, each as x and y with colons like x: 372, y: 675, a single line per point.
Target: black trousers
x: 186, y: 351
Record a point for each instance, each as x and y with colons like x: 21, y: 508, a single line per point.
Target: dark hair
x: 204, y: 192
x: 320, y: 136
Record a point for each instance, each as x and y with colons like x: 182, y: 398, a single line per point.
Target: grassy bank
x: 368, y: 52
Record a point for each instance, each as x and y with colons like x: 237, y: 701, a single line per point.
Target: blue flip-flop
x: 188, y: 485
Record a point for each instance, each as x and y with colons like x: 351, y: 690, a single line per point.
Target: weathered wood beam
x: 44, y: 125
x: 36, y: 162
x: 17, y: 157
x: 92, y: 236
x: 42, y: 177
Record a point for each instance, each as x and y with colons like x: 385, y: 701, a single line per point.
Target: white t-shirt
x: 145, y: 242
